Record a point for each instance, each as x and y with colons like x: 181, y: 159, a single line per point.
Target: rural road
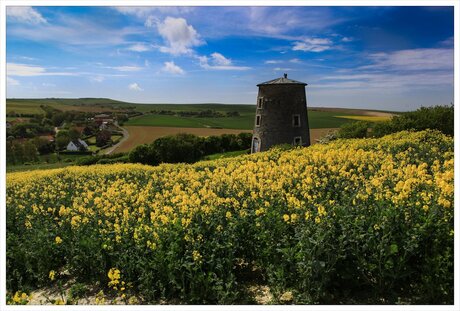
x: 125, y: 137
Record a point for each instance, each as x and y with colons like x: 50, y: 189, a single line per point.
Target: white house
x: 77, y: 145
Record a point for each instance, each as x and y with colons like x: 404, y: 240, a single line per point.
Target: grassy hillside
x: 352, y: 222
x: 318, y: 117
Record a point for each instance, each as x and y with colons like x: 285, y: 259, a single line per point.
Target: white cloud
x: 143, y: 12
x: 98, y: 79
x: 135, y: 87
x: 170, y: 67
x: 312, y: 45
x: 282, y: 69
x: 11, y: 81
x: 416, y: 59
x: 25, y: 70
x: 271, y: 61
x: 151, y: 21
x: 127, y: 68
x: 218, y: 61
x: 295, y: 61
x: 179, y: 36
x: 278, y: 21
x: 139, y: 47
x: 68, y: 31
x: 346, y: 39
x: 25, y: 14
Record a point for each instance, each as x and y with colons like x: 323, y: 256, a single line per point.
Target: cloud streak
x: 25, y: 14
x: 26, y: 70
x: 312, y: 45
x: 217, y: 61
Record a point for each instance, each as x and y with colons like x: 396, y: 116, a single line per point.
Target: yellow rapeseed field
x: 366, y: 118
x: 311, y: 221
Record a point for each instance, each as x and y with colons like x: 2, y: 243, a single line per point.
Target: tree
x: 58, y: 118
x: 122, y: 118
x: 144, y: 154
x: 186, y: 148
x: 74, y: 133
x: 103, y: 138
x: 62, y: 139
x: 211, y: 145
x: 30, y: 152
x: 88, y: 130
x: 43, y: 145
x: 10, y: 155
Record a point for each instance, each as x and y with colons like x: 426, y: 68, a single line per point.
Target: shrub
x: 143, y: 154
x: 178, y: 148
x: 354, y: 130
x: 437, y: 118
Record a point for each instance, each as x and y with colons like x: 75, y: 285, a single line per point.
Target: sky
x: 386, y: 58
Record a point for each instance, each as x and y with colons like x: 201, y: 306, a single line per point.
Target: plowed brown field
x: 147, y: 134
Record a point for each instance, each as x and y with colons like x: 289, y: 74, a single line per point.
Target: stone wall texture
x: 280, y: 103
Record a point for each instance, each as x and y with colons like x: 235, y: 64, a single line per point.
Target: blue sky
x: 388, y: 58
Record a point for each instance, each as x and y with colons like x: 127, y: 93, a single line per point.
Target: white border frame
x: 4, y: 3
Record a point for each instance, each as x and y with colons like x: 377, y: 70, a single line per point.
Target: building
x: 101, y: 118
x: 77, y: 145
x: 281, y: 115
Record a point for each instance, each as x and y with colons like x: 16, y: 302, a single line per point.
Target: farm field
x: 147, y: 134
x: 366, y: 118
x: 317, y: 119
x: 351, y: 222
x: 241, y: 122
x: 32, y: 106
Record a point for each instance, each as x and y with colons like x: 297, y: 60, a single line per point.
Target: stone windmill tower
x: 281, y: 115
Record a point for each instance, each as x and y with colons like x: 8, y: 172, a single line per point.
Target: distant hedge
x: 187, y: 148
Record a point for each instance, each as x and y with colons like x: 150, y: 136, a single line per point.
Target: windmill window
x: 260, y: 102
x: 298, y: 141
x: 258, y: 117
x: 296, y: 120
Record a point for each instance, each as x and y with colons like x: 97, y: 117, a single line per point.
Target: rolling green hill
x: 318, y: 117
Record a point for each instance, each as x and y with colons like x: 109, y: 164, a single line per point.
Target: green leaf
x: 393, y: 249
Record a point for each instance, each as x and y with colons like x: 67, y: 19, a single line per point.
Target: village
x: 57, y: 134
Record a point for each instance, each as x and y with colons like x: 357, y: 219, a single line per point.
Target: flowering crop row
x: 352, y: 221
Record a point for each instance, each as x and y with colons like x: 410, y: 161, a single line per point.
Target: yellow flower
x: 59, y: 302
x: 114, y: 276
x: 286, y: 297
x: 228, y: 215
x: 52, y: 275
x: 58, y: 240
x: 197, y: 256
x: 286, y: 217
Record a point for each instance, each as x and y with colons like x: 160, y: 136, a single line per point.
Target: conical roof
x: 282, y: 80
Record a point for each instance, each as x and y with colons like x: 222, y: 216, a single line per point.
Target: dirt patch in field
x: 139, y: 135
x: 316, y: 134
